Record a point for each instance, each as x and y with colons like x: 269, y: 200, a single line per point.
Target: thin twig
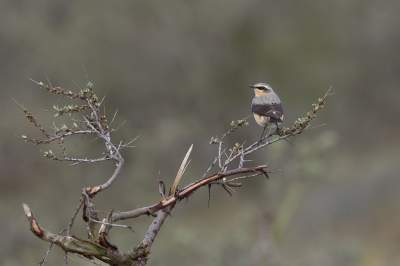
x: 113, y: 118
x: 49, y: 81
x: 114, y: 225
x: 209, y: 168
x: 87, y: 259
x: 62, y: 96
x: 84, y: 69
x: 71, y: 223
x: 48, y: 251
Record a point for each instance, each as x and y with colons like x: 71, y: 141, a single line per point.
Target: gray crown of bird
x: 266, y: 107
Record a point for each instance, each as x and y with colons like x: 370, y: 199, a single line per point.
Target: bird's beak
x: 251, y: 86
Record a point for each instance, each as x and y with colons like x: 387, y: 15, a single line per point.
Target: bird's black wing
x: 274, y: 111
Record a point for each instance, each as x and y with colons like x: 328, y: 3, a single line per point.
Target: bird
x: 266, y: 107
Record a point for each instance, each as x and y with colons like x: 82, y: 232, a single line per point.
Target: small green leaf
x: 89, y: 85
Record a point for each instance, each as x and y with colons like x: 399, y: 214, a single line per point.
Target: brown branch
x: 191, y: 188
x: 184, y: 193
x: 165, y: 207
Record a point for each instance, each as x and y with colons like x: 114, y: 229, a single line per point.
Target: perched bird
x: 266, y: 107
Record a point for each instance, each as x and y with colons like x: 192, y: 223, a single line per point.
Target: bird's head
x: 261, y: 89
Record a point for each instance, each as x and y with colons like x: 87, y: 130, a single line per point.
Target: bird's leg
x: 277, y: 128
x: 260, y: 141
x: 269, y: 133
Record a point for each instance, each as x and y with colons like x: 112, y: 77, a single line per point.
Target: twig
x: 219, y: 153
x: 113, y: 118
x: 209, y: 168
x: 71, y: 223
x: 84, y: 69
x: 49, y: 81
x: 48, y: 251
x: 87, y: 259
x: 291, y: 143
x: 114, y: 225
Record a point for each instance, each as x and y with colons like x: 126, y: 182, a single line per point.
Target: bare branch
x: 79, y: 246
x: 191, y: 188
x: 132, y: 214
x: 152, y: 233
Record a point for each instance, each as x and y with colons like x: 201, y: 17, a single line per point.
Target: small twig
x: 80, y: 140
x: 65, y: 258
x: 49, y: 81
x: 101, y: 103
x: 242, y: 177
x: 71, y: 258
x: 126, y: 145
x: 84, y: 69
x: 291, y: 143
x: 71, y: 223
x: 113, y: 118
x: 114, y: 225
x: 209, y: 168
x: 77, y: 85
x: 119, y: 126
x: 219, y: 153
x: 278, y: 171
x: 119, y: 146
x: 62, y: 96
x: 87, y: 259
x: 48, y: 251
x: 225, y: 186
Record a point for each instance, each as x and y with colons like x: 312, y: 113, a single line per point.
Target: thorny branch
x: 98, y: 246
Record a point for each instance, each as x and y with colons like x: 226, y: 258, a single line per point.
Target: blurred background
x: 177, y: 71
